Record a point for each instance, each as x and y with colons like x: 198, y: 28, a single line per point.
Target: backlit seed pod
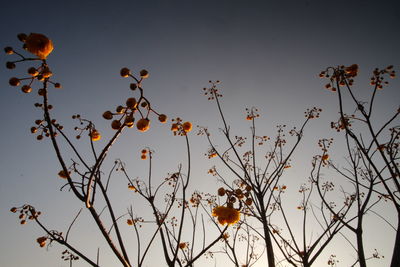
x: 143, y: 156
x: 116, y: 124
x: 162, y: 118
x: 125, y: 72
x: 10, y: 65
x: 120, y: 109
x: 143, y: 125
x: 174, y: 127
x: 33, y: 130
x: 47, y: 73
x: 14, y: 81
x: 221, y: 191
x: 39, y: 45
x: 41, y: 92
x: 144, y: 74
x: 95, y: 135
x: 131, y: 103
x: 144, y: 151
x: 33, y: 71
x: 9, y: 50
x: 22, y: 37
x: 249, y: 201
x: 133, y: 86
x: 13, y: 209
x: 62, y: 174
x: 187, y: 126
x: 144, y: 104
x: 108, y: 115
x: 26, y: 89
x: 129, y: 121
x: 57, y: 85
x: 39, y: 137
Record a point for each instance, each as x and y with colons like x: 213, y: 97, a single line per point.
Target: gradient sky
x: 267, y: 54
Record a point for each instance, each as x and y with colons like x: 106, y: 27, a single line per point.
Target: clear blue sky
x: 266, y: 53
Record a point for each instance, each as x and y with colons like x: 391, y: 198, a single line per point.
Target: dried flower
x: 95, y: 135
x: 42, y: 241
x: 162, y: 118
x: 39, y: 45
x: 143, y: 125
x: 131, y: 103
x: 187, y: 126
x: 226, y: 215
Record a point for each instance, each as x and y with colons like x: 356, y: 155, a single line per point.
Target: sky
x: 267, y: 54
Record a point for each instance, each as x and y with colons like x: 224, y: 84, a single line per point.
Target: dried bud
x: 33, y: 71
x: 9, y: 50
x: 26, y: 89
x: 108, y: 115
x: 22, y: 37
x: 129, y: 121
x: 143, y: 125
x: 133, y: 86
x: 131, y: 103
x: 162, y: 118
x: 14, y: 81
x: 187, y: 126
x: 10, y: 65
x: 144, y: 74
x: 116, y: 124
x: 125, y: 72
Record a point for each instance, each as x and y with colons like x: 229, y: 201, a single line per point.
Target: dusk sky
x: 267, y: 54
